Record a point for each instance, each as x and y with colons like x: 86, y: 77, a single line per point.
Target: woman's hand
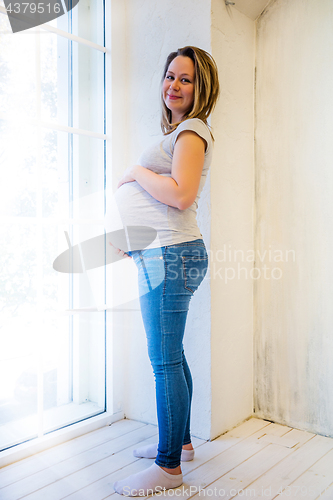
x: 128, y: 176
x: 120, y: 252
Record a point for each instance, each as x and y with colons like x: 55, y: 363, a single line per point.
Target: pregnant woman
x: 162, y: 192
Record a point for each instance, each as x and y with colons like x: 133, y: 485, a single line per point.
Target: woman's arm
x: 179, y: 190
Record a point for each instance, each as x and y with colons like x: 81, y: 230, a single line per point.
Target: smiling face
x: 178, y: 87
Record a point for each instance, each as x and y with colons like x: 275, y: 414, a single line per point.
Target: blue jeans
x: 168, y: 278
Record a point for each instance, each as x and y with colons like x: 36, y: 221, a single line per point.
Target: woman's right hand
x: 120, y: 252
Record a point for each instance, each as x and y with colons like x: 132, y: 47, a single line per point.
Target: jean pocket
x: 194, y: 269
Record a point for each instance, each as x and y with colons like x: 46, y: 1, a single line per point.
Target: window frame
x: 72, y: 430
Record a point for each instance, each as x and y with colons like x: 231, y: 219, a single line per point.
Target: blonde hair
x: 206, y: 87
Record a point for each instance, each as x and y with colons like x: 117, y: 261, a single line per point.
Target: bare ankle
x: 187, y: 446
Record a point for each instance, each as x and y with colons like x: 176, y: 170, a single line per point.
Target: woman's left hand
x: 128, y: 176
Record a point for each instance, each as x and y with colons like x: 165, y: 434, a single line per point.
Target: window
x: 52, y: 160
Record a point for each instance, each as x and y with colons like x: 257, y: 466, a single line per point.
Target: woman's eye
x: 170, y: 77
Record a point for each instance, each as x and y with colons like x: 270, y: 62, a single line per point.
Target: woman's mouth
x: 173, y: 97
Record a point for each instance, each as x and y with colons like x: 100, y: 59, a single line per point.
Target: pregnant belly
x: 137, y: 207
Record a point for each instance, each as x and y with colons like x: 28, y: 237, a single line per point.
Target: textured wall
x: 232, y: 174
x: 293, y: 196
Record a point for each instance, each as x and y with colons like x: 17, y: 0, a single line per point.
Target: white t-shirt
x: 138, y: 208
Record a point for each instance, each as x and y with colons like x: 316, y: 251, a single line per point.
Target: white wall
x: 294, y: 185
x: 232, y: 173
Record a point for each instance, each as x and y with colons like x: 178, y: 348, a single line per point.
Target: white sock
x: 150, y: 451
x: 154, y: 479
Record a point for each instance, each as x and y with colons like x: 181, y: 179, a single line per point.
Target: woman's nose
x: 174, y: 84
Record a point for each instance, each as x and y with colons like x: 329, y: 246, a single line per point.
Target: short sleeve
x: 197, y: 126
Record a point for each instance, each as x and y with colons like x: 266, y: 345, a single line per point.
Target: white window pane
x: 18, y: 93
x: 38, y: 174
x: 18, y: 334
x: 88, y: 88
x: 52, y: 358
x: 54, y: 74
x: 88, y: 177
x: 37, y: 342
x: 37, y: 80
x: 59, y: 84
x: 85, y: 84
x: 29, y: 183
x: 18, y: 189
x: 86, y: 19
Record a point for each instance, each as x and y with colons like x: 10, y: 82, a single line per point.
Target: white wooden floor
x: 257, y: 459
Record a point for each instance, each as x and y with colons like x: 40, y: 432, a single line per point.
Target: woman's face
x: 178, y: 87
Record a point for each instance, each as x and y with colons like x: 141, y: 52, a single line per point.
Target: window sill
x: 60, y: 436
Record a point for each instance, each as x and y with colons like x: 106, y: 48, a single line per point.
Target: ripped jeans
x: 168, y: 277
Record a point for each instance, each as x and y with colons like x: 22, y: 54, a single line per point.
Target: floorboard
x: 257, y: 459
